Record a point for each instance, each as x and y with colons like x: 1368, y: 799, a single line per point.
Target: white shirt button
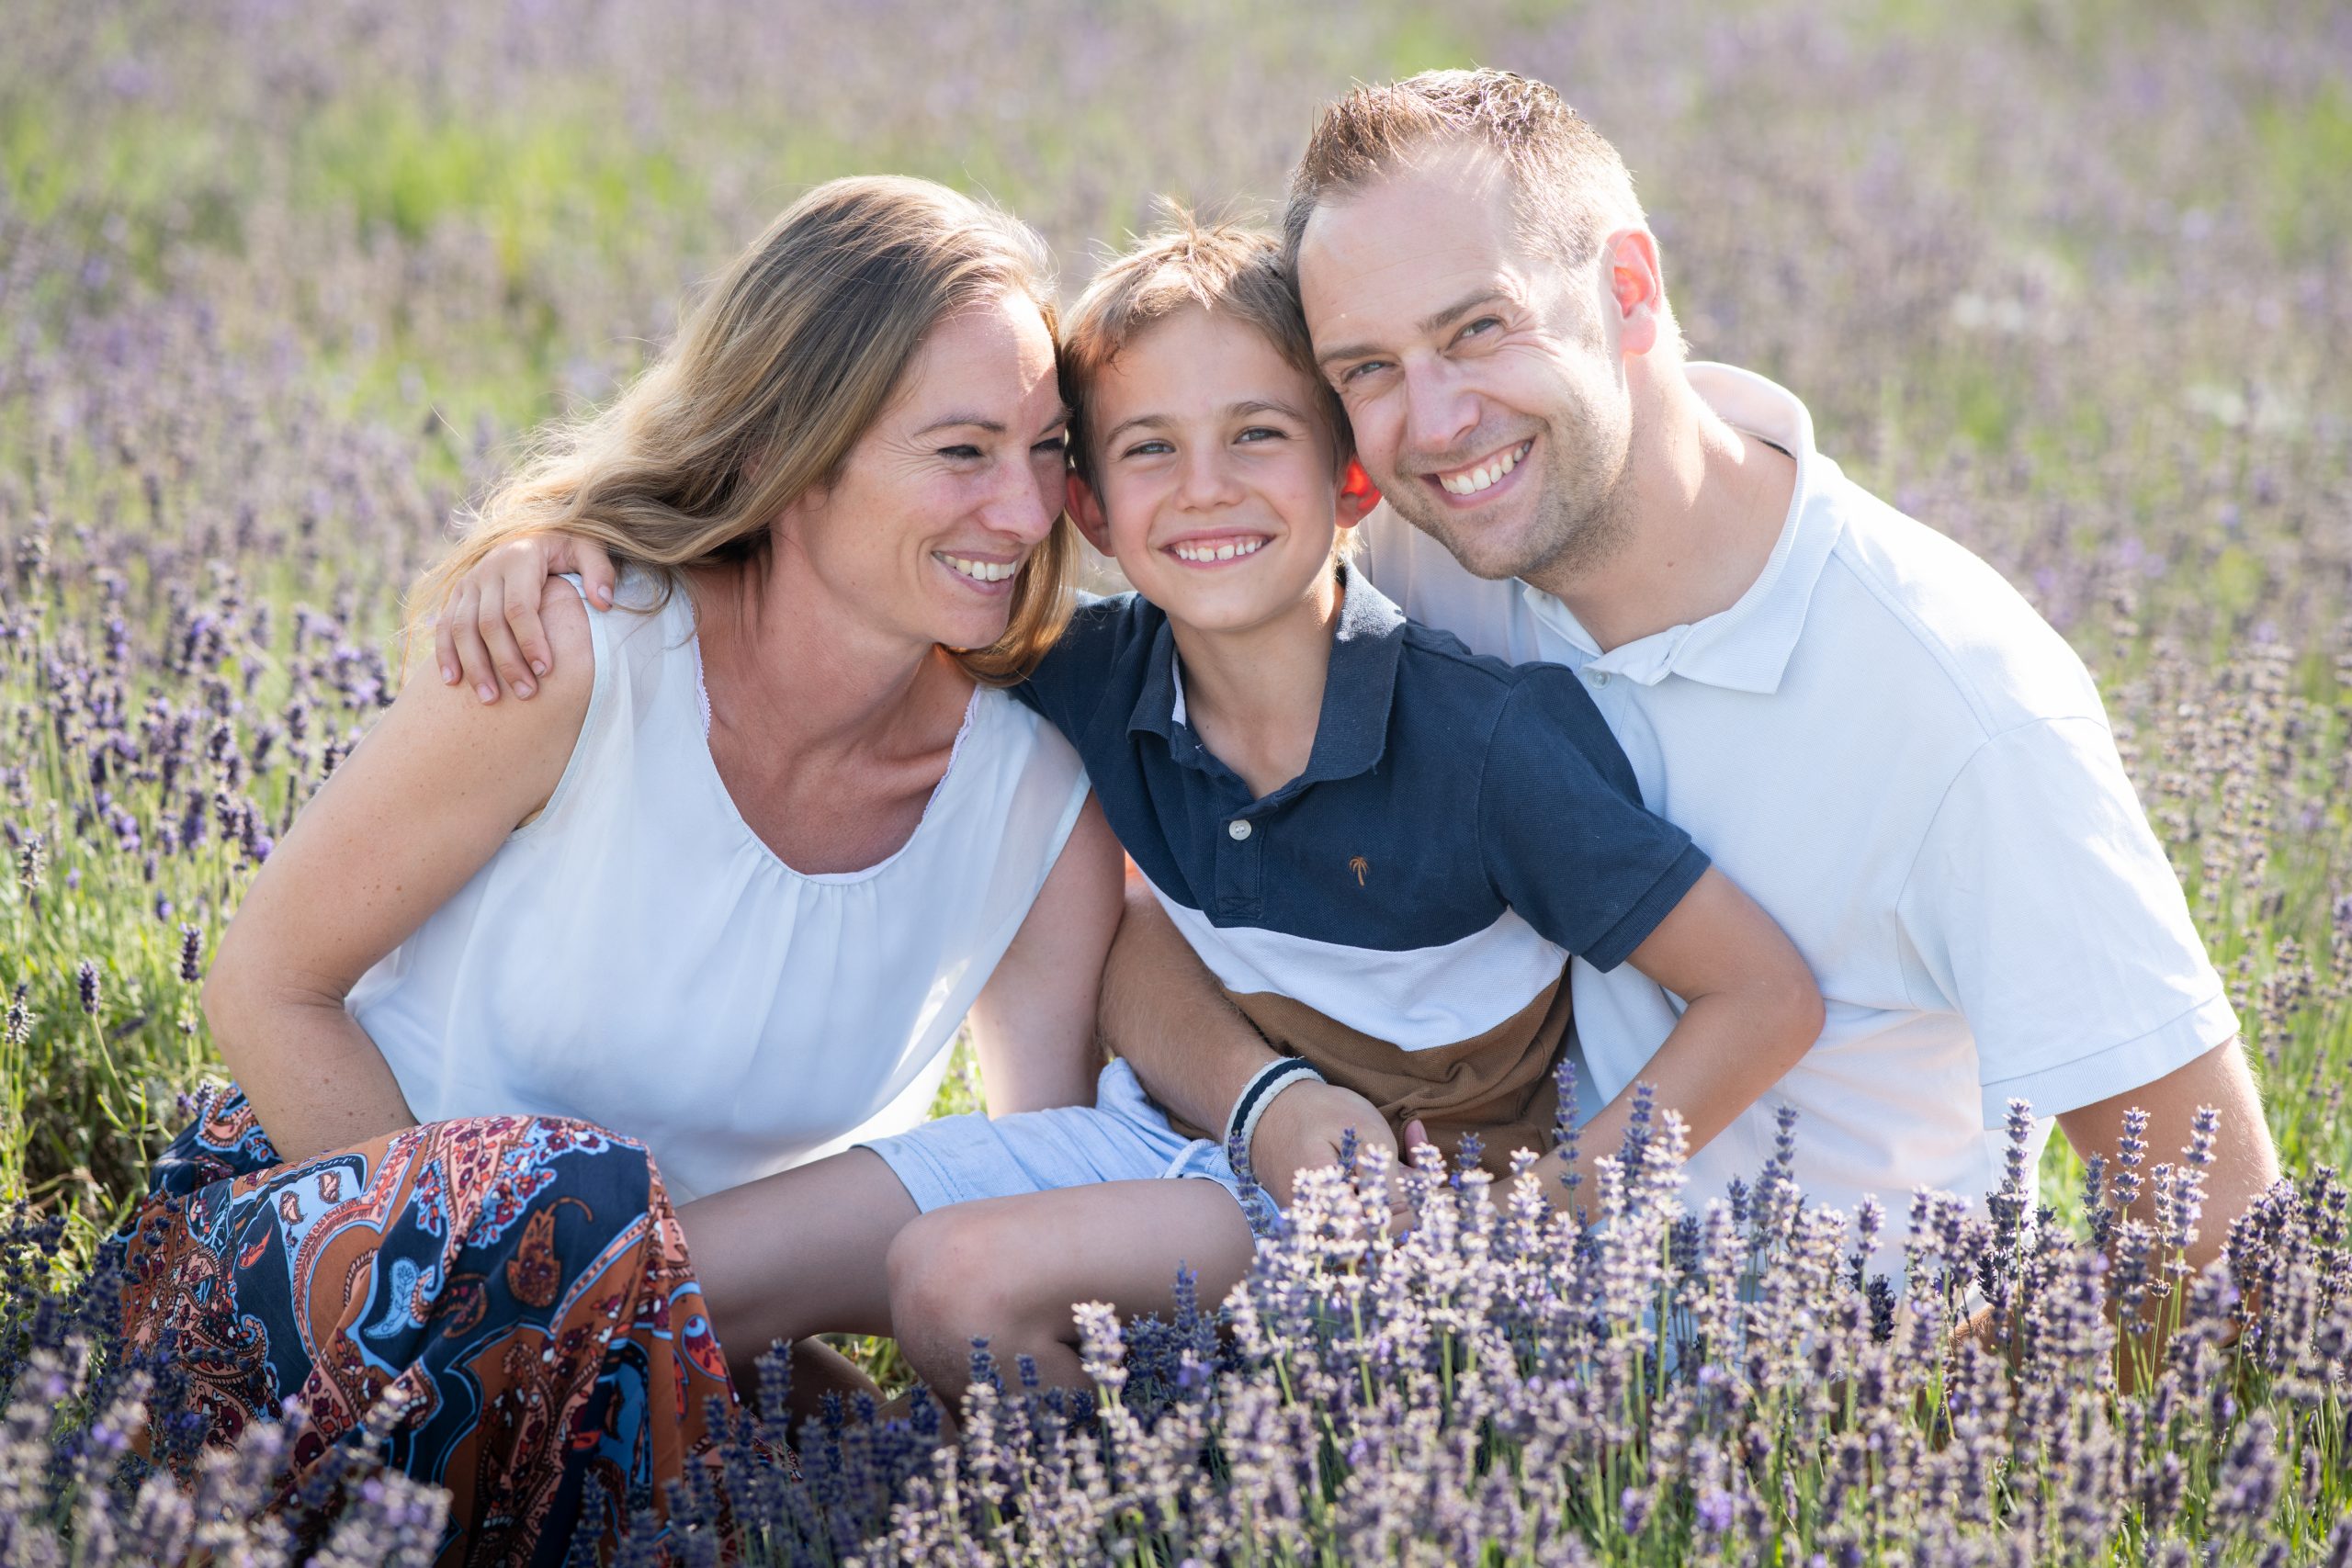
x: 1598, y: 677
x: 1239, y: 828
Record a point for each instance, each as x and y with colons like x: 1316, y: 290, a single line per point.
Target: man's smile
x: 1479, y: 477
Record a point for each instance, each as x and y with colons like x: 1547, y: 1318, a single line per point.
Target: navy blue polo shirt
x: 1464, y: 825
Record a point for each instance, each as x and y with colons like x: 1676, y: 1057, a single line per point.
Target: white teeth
x: 1225, y: 550
x: 982, y: 570
x: 1473, y: 480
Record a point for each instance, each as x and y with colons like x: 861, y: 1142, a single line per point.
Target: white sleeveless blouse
x: 637, y: 957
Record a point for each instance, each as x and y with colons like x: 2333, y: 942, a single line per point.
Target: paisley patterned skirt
x: 518, y: 1286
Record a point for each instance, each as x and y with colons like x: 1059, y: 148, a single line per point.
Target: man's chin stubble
x: 1560, y: 550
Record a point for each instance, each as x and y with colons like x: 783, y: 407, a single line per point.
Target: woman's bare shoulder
x: 516, y: 730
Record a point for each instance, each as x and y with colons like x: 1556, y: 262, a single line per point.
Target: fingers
x: 459, y: 645
x: 518, y: 644
x: 598, y: 574
x: 445, y: 636
x: 496, y: 623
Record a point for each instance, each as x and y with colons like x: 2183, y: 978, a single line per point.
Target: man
x: 1869, y: 730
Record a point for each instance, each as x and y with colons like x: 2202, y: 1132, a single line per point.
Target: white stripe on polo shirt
x: 1419, y: 999
x: 1902, y: 763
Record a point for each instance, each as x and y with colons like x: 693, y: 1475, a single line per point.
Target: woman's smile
x: 992, y: 574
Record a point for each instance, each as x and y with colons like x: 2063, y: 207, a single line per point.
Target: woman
x: 712, y: 904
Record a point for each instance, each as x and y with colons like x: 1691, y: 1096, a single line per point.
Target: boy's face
x: 1215, y: 485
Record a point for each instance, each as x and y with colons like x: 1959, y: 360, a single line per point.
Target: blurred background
x: 284, y: 282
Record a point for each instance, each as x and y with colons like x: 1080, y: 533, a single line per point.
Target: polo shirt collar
x: 1747, y: 647
x: 1352, y: 730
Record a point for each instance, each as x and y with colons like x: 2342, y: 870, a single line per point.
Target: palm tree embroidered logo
x: 1358, y: 865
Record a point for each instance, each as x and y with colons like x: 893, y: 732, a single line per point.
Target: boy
x: 1384, y: 847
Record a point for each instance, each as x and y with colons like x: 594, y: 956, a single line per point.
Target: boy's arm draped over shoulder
x: 490, y: 632
x: 2042, y: 909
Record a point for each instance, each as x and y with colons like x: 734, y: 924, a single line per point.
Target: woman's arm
x: 408, y: 817
x: 1752, y: 1012
x: 1033, y: 1025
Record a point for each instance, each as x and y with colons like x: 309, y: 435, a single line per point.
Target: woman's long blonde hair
x: 772, y: 380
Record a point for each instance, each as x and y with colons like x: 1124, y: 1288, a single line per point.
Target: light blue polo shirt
x: 1462, y: 826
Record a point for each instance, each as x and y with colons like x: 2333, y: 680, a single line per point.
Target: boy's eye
x: 1148, y: 449
x: 1263, y: 433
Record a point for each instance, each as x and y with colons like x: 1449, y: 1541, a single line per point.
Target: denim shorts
x: 1122, y: 1136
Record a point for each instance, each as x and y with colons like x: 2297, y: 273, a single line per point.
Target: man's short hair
x: 1228, y: 269
x: 1571, y: 188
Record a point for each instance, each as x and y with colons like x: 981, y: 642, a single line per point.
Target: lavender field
x: 282, y: 284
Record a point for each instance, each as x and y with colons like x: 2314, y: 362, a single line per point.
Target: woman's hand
x: 488, y: 632
x: 405, y: 822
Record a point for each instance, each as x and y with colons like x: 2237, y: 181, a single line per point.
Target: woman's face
x: 946, y: 493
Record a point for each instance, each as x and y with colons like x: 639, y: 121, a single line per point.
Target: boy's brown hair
x: 1227, y: 269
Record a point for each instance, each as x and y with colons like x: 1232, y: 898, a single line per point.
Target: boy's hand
x: 1543, y: 1176
x: 488, y: 633
x: 1302, y: 1129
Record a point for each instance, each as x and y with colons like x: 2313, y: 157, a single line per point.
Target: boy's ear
x: 1357, y: 495
x: 1086, y: 511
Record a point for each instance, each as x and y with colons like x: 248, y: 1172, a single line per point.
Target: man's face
x: 1488, y: 396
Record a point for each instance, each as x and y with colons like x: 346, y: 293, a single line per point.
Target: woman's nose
x: 1025, y: 504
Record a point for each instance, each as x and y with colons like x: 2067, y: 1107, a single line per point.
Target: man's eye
x: 1478, y: 327
x: 1358, y: 372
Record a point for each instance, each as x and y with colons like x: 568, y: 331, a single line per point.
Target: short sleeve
x: 1566, y: 841
x: 2042, y: 908
x: 1076, y: 675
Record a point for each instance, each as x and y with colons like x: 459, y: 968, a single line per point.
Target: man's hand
x: 488, y: 633
x: 1303, y: 1128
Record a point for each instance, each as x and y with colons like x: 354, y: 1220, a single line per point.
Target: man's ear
x: 1637, y: 288
x: 1086, y: 511
x: 1357, y: 495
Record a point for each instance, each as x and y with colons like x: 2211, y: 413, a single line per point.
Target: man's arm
x: 2042, y: 905
x: 1194, y: 1053
x: 2245, y: 1161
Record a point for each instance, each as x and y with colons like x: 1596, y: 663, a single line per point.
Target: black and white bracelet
x: 1267, y: 1082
